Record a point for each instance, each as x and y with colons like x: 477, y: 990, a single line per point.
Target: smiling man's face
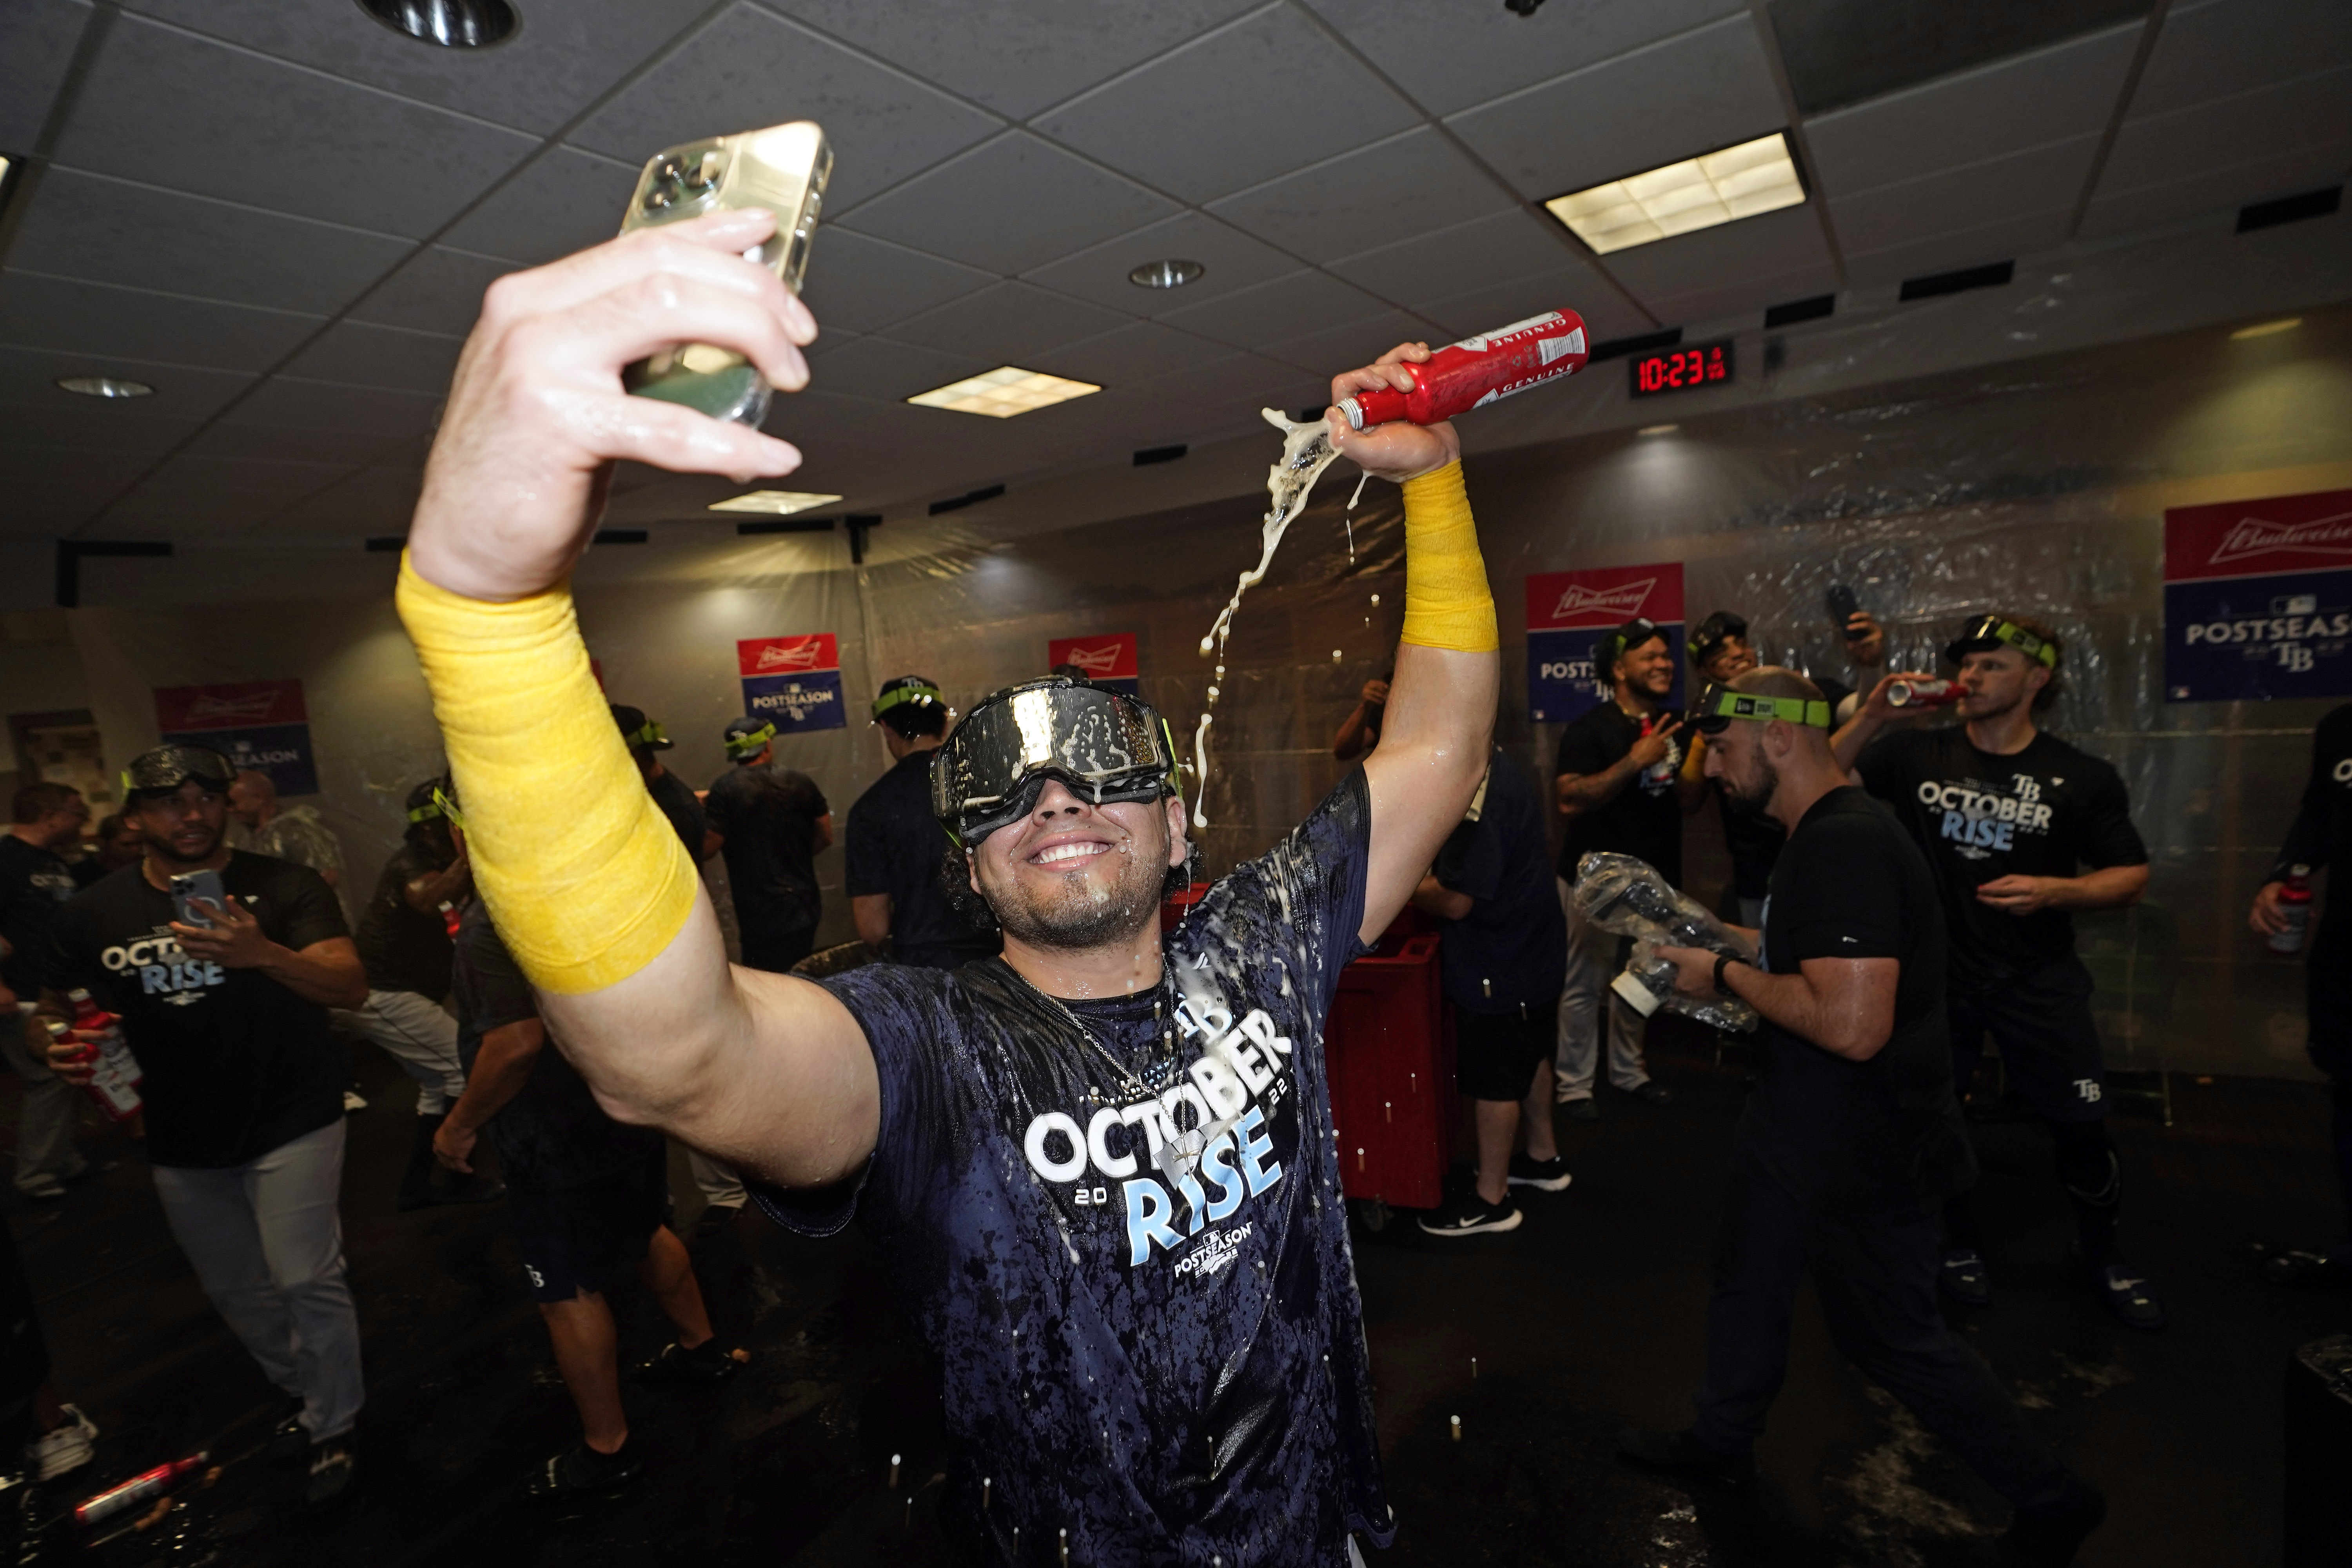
x: 1072, y: 875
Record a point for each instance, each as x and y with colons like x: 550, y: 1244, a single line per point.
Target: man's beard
x: 1751, y: 796
x: 161, y: 850
x: 1071, y: 918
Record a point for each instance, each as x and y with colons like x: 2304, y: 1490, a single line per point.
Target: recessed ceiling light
x: 781, y: 503
x: 1739, y: 182
x: 105, y: 386
x: 1004, y: 391
x: 452, y: 23
x: 1658, y: 430
x: 2265, y: 329
x: 1172, y: 273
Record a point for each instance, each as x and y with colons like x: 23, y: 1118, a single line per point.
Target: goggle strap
x: 1794, y: 709
x: 901, y: 694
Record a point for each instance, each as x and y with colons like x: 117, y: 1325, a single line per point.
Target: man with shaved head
x: 287, y: 832
x: 1852, y: 1137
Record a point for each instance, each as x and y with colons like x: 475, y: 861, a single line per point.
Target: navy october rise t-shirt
x: 1167, y: 1362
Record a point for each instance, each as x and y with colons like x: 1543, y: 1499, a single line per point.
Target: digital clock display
x: 1681, y: 369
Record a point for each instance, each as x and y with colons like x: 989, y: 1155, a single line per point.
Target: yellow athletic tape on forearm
x: 1446, y: 601
x: 585, y: 876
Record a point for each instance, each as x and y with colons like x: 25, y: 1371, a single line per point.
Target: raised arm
x: 599, y: 902
x: 1440, y: 722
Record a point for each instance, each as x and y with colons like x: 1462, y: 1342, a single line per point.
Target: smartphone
x: 1843, y: 607
x: 783, y: 168
x: 190, y: 886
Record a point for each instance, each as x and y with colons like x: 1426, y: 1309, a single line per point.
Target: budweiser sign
x: 237, y: 705
x: 1107, y: 656
x: 787, y: 655
x: 2251, y: 536
x: 1096, y: 660
x: 1625, y: 602
x: 795, y: 655
x: 1599, y: 597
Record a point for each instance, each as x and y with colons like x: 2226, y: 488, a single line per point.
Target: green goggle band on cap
x: 902, y: 694
x: 441, y: 805
x: 749, y: 746
x: 1748, y: 705
x: 2016, y: 637
x: 651, y: 735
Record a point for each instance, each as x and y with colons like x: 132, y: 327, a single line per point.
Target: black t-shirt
x: 1754, y: 841
x: 1839, y: 1134
x: 1644, y: 819
x: 2047, y: 811
x: 400, y: 949
x: 34, y: 885
x: 1170, y: 1367
x: 676, y: 798
x: 1512, y: 947
x: 768, y: 816
x: 237, y: 1064
x: 552, y: 1136
x: 893, y: 844
x: 2322, y: 827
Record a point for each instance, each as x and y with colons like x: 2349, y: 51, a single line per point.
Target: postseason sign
x: 1569, y: 612
x: 793, y: 681
x: 256, y: 724
x: 1107, y: 659
x: 2258, y: 599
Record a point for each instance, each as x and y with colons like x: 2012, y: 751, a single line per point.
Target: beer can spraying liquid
x: 1922, y: 693
x: 1477, y: 371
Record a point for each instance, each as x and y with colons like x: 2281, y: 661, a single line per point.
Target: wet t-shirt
x: 1644, y: 819
x: 894, y: 847
x: 2047, y: 811
x: 768, y: 816
x: 402, y: 949
x: 1166, y: 1360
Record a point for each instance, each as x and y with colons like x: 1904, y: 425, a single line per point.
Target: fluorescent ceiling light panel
x: 779, y: 503
x: 1739, y: 182
x: 1004, y: 391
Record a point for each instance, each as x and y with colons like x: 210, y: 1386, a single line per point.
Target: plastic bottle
x: 1922, y: 693
x: 2294, y: 903
x: 137, y: 1489
x: 1477, y: 371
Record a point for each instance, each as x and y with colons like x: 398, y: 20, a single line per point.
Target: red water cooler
x: 1389, y: 1045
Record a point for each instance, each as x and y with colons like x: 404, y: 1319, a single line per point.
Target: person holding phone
x: 1617, y: 786
x: 244, y: 1109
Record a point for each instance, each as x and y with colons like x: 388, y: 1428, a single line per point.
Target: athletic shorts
x: 576, y: 1239
x: 2039, y: 1021
x: 1495, y: 1054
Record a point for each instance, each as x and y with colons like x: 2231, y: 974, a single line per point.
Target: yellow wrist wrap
x: 585, y: 877
x: 1446, y: 601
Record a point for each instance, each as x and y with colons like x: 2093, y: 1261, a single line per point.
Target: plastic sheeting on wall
x: 2038, y: 485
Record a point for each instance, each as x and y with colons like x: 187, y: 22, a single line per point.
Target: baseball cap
x: 1632, y: 634
x: 1988, y: 632
x: 747, y: 738
x: 1714, y: 632
x: 641, y: 732
x: 166, y: 768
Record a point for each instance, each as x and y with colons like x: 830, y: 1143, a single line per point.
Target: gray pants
x: 421, y: 1037
x: 719, y: 1185
x: 1591, y: 965
x: 45, y: 1154
x: 267, y: 1240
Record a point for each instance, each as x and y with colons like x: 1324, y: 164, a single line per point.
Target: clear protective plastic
x: 1624, y: 894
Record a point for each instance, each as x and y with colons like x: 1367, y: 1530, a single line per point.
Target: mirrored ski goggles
x: 1718, y: 706
x: 750, y: 744
x: 1988, y: 632
x: 1104, y: 746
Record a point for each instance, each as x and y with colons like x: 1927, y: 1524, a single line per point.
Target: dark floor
x: 1589, y: 1317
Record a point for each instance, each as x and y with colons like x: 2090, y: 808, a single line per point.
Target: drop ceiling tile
x: 1451, y: 57
x: 1607, y: 315
x: 2223, y: 47
x: 2017, y: 235
x: 1406, y: 185
x: 858, y: 284
x: 1284, y: 96
x: 90, y: 425
x: 884, y: 370
x: 52, y: 494
x: 214, y: 492
x: 2218, y: 192
x: 36, y: 43
x: 563, y: 201
x: 564, y: 56
x: 278, y: 444
x: 1010, y: 323
x: 2219, y: 132
x: 1237, y: 387
x: 359, y: 354
x: 436, y: 290
x: 174, y: 111
x: 1776, y: 242
x: 39, y: 312
x: 1501, y: 249
x: 378, y: 500
x: 749, y: 68
x: 322, y: 405
x: 2048, y: 96
x: 1271, y: 312
x: 1136, y: 355
x: 1015, y: 203
x: 1231, y: 258
x: 1963, y: 198
x: 1017, y: 59
x: 109, y: 231
x: 1690, y: 94
x: 31, y: 376
x: 1741, y: 295
x: 1326, y: 352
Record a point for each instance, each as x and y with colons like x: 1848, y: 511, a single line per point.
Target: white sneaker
x: 66, y: 1449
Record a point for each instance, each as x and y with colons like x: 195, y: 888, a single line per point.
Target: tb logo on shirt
x: 164, y: 970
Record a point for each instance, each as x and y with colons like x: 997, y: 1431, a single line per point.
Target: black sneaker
x: 334, y: 1472
x: 290, y: 1441
x: 1650, y: 1091
x: 2123, y: 1293
x: 2303, y: 1270
x: 1470, y: 1215
x: 2048, y: 1536
x: 1964, y: 1278
x: 583, y: 1473
x: 705, y: 1366
x: 1681, y: 1454
x: 1580, y: 1108
x: 1544, y: 1175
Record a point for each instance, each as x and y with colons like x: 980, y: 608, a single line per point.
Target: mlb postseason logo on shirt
x: 794, y: 682
x: 1108, y: 659
x: 258, y: 724
x: 2258, y: 599
x: 1569, y: 612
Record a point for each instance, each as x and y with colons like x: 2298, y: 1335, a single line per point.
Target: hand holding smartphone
x: 1843, y: 607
